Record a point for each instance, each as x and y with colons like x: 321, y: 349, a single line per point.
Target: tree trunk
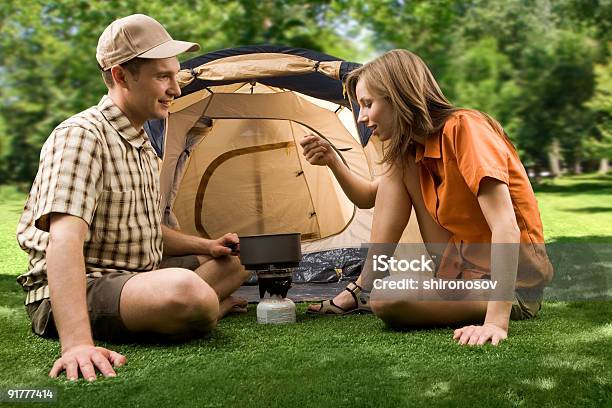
x: 604, y: 166
x: 554, y: 158
x: 577, y: 167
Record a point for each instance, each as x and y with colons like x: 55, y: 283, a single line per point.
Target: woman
x: 461, y: 174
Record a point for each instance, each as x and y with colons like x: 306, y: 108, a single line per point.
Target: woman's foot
x: 347, y: 301
x: 232, y: 305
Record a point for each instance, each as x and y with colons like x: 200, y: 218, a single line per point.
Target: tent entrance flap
x: 248, y: 176
x: 252, y: 186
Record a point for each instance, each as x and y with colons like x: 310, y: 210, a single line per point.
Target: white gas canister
x: 276, y: 310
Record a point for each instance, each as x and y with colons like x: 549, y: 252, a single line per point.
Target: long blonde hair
x: 419, y: 106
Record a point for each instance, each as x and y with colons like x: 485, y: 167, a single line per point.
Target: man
x: 91, y: 224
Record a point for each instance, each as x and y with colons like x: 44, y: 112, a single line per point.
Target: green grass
x: 562, y: 358
x: 577, y: 209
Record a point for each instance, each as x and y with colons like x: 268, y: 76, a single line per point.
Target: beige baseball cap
x: 137, y: 36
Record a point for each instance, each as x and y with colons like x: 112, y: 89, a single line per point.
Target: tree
x: 482, y: 79
x: 527, y: 62
x: 48, y: 69
x: 600, y: 146
x: 426, y: 28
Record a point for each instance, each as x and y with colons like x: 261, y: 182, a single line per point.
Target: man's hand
x: 317, y: 150
x: 86, y: 358
x: 229, y: 244
x: 479, y: 335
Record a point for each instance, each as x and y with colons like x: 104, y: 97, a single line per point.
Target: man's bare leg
x: 171, y: 301
x: 224, y: 275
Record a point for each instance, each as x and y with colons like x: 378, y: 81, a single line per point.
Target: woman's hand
x: 479, y: 335
x: 317, y: 150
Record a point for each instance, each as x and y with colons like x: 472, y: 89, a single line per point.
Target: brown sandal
x: 329, y: 308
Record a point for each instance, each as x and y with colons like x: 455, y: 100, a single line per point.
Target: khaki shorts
x: 103, y: 295
x: 190, y: 262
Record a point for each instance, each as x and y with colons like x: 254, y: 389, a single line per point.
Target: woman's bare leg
x: 422, y: 306
x: 397, y: 195
x: 404, y: 314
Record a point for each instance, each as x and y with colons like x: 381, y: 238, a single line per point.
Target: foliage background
x: 541, y: 67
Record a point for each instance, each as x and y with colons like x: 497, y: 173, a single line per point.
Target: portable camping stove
x: 276, y: 282
x: 273, y: 258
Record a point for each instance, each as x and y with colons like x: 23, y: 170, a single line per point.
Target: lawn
x: 562, y: 358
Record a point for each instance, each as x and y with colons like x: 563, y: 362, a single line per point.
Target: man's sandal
x: 329, y: 308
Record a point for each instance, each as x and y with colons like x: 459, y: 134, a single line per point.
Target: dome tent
x: 232, y: 160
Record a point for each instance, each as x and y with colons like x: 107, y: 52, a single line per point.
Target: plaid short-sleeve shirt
x: 98, y: 167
